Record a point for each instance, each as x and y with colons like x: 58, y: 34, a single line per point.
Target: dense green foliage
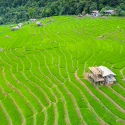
x: 15, y: 11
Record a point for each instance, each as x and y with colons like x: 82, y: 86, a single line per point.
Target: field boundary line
x: 121, y: 109
x: 6, y: 114
x: 77, y: 78
x: 123, y: 98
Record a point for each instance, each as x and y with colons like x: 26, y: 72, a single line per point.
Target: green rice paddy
x: 41, y: 72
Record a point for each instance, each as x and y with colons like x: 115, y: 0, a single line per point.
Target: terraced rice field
x: 41, y: 72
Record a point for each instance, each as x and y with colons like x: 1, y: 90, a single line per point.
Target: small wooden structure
x: 80, y: 15
x: 39, y: 23
x: 14, y: 28
x: 95, y: 13
x: 20, y: 25
x: 96, y: 75
x: 102, y: 75
x: 109, y: 12
x: 32, y: 20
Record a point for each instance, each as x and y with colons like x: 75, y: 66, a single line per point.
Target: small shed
x: 20, y: 25
x: 12, y: 29
x: 110, y: 79
x: 51, y: 20
x: 109, y: 12
x: 39, y: 23
x: 102, y: 74
x: 32, y: 20
x: 80, y: 15
x: 96, y: 75
x: 16, y: 28
x: 95, y: 13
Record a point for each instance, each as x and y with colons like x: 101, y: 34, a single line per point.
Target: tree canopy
x: 15, y: 11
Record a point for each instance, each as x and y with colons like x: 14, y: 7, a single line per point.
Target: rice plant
x: 42, y: 68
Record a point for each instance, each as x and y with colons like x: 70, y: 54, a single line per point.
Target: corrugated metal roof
x: 109, y: 11
x: 32, y: 19
x: 95, y: 11
x: 38, y: 22
x: 105, y: 71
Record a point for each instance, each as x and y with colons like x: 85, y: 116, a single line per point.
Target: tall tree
x: 31, y: 12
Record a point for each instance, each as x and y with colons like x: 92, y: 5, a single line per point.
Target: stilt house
x: 102, y: 75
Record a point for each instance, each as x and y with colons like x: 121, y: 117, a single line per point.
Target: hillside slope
x: 41, y: 72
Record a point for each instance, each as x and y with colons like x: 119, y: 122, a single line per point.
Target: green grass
x: 30, y: 97
x: 119, y: 90
x: 4, y: 85
x: 114, y: 97
x: 40, y: 118
x: 29, y: 121
x: 61, y: 113
x: 37, y: 66
x: 104, y: 100
x: 3, y: 117
x: 22, y: 104
x: 73, y: 116
x: 50, y: 115
x: 12, y: 111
